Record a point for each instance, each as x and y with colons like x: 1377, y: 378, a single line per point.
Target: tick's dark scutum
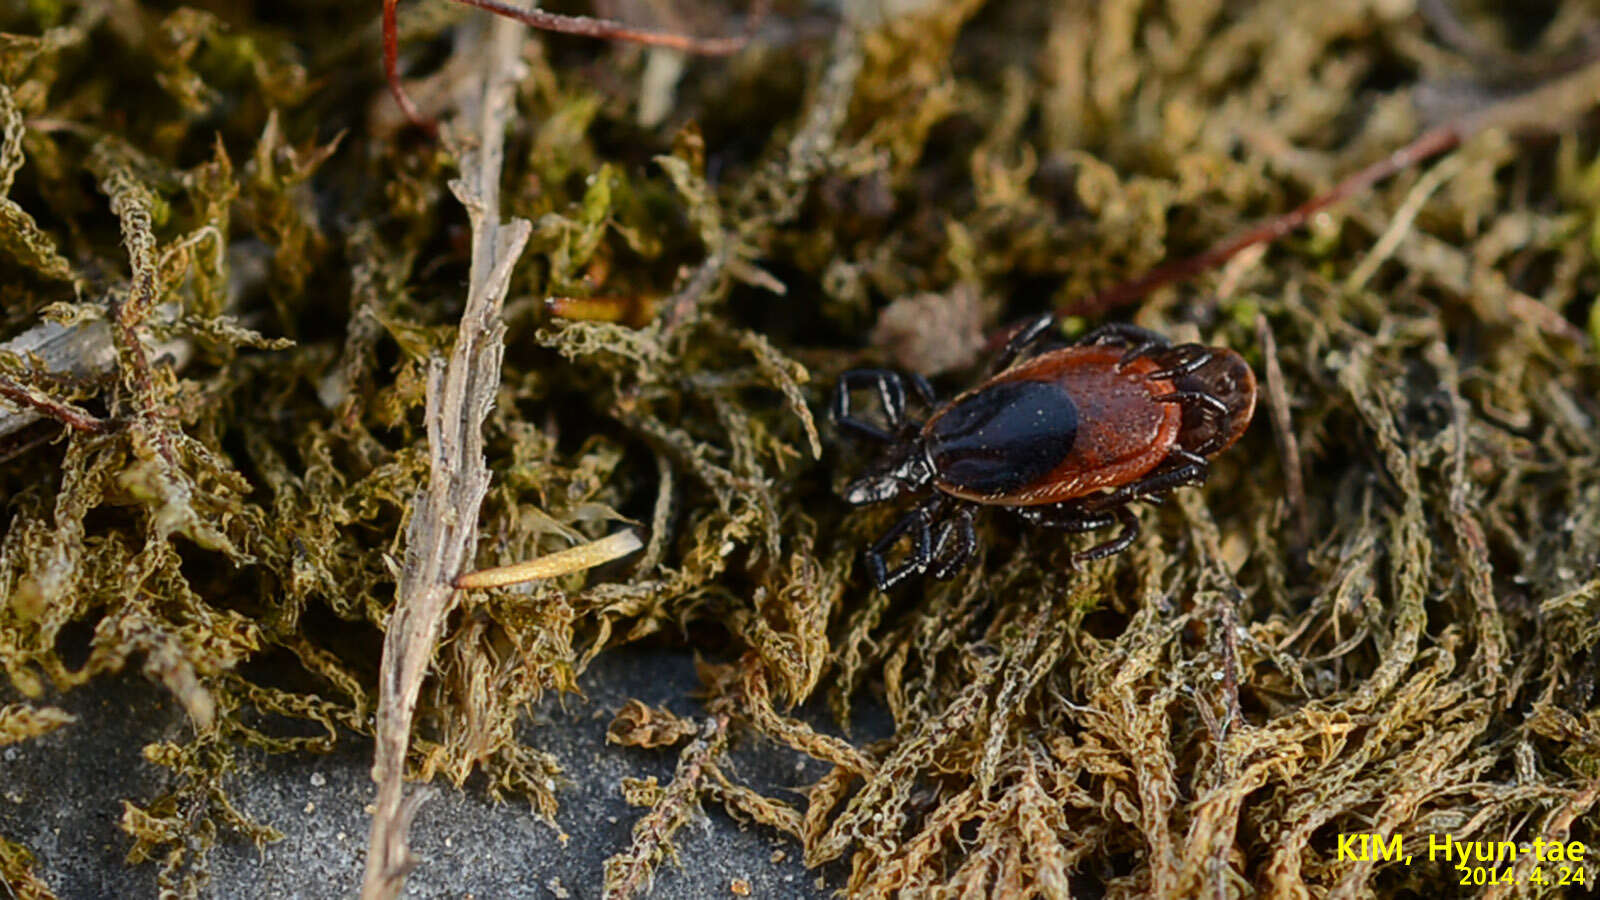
x: 1003, y: 437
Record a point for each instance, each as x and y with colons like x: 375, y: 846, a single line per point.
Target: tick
x: 1065, y: 437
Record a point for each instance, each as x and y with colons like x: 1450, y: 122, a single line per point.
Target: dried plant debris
x: 229, y: 273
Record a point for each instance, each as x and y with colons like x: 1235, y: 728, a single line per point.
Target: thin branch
x: 1400, y: 224
x: 444, y: 518
x: 1277, y: 404
x: 1539, y: 109
x: 1429, y: 145
x: 68, y: 414
x: 391, y: 69
x: 582, y: 26
x: 606, y: 29
x: 80, y: 354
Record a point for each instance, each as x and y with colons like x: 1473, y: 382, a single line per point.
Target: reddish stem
x: 1430, y: 144
x: 391, y: 70
x: 66, y: 413
x: 606, y: 29
x: 584, y: 26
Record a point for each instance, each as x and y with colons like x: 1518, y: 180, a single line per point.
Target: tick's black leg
x: 1135, y: 353
x: 1130, y: 533
x: 1210, y: 409
x: 1121, y: 333
x: 920, y: 523
x: 891, y: 393
x: 1180, y: 468
x: 1069, y: 516
x: 1211, y: 413
x: 957, y: 543
x: 1140, y: 342
x: 1205, y: 400
x: 892, y: 396
x: 1213, y: 443
x: 1074, y: 516
x: 864, y: 429
x: 1029, y: 334
x: 1179, y: 361
x: 1196, y: 460
x: 921, y: 388
x: 1200, y: 411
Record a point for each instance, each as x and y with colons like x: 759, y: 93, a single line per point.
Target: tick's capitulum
x: 1064, y: 437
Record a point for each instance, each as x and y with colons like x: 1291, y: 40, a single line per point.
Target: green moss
x: 1408, y: 648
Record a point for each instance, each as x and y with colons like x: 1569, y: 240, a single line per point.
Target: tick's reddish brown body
x: 1122, y: 432
x: 1066, y: 439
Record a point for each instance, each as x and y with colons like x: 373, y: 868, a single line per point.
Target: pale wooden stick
x: 444, y: 517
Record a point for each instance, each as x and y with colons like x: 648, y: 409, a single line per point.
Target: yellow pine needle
x: 564, y: 562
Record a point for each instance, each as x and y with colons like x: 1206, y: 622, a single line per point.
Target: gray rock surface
x: 63, y: 796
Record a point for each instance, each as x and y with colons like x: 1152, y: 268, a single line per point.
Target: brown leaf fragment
x: 933, y: 333
x: 21, y: 721
x: 639, y: 725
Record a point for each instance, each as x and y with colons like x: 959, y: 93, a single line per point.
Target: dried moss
x: 1407, y: 644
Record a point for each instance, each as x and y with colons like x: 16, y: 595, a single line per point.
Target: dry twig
x: 1277, y: 404
x: 444, y: 518
x: 1537, y: 110
x: 28, y: 398
x: 583, y: 26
